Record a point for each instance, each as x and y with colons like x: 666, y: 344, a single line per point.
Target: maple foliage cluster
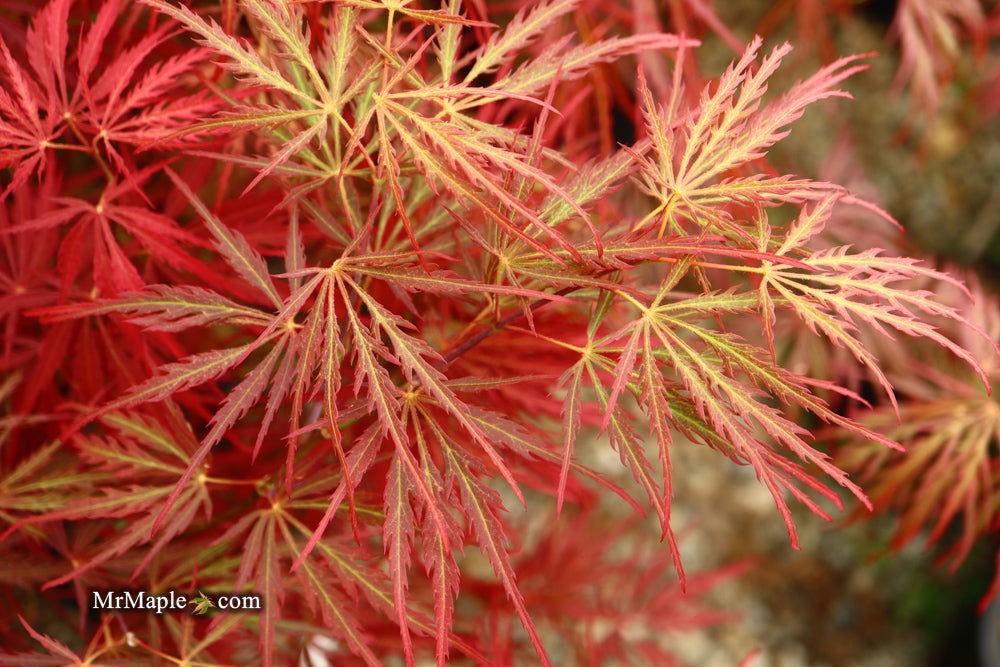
x: 302, y: 298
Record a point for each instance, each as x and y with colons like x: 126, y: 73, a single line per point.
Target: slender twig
x: 498, y: 326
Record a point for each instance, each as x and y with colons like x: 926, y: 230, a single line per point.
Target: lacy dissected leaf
x: 944, y: 487
x: 242, y: 59
x: 244, y: 259
x: 479, y: 501
x: 40, y: 483
x: 164, y: 308
x: 693, y: 152
x: 262, y: 551
x: 573, y: 63
x: 59, y: 653
x: 102, y: 109
x: 519, y: 32
x: 135, y: 444
x: 842, y: 288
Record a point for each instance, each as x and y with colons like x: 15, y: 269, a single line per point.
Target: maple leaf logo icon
x: 202, y: 604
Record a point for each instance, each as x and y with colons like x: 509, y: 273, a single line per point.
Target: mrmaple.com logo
x: 124, y: 600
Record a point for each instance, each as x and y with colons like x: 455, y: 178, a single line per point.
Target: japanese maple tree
x: 299, y: 297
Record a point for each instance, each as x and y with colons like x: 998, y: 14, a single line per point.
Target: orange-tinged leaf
x: 54, y: 647
x: 397, y: 534
x: 478, y: 500
x: 573, y: 380
x: 520, y: 31
x: 233, y: 246
x: 242, y: 59
x: 163, y: 308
